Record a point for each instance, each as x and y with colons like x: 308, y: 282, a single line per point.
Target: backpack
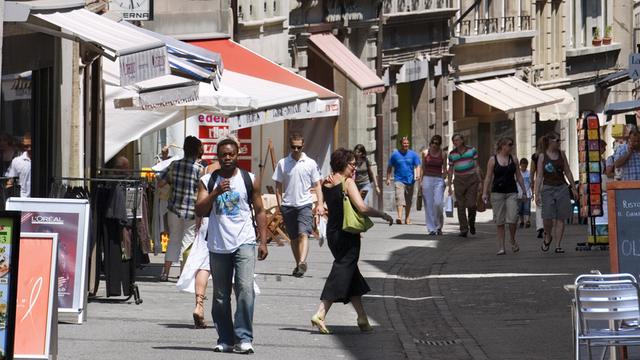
x: 248, y: 184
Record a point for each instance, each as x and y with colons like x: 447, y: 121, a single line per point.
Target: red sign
x: 212, y: 132
x: 35, y: 296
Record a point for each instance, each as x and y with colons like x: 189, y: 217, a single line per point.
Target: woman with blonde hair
x: 502, y: 174
x: 552, y: 191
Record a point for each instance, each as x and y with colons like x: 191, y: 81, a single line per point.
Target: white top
x: 230, y: 222
x: 21, y: 167
x: 297, y: 178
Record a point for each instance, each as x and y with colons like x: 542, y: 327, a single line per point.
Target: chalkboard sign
x: 624, y: 226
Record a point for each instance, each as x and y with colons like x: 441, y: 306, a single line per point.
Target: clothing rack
x: 135, y: 183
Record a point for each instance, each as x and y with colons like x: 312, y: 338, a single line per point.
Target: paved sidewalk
x: 432, y: 298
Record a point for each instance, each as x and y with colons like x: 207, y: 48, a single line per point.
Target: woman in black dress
x: 345, y: 282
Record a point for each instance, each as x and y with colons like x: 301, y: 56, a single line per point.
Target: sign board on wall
x: 634, y: 66
x: 9, y: 254
x: 212, y: 128
x: 36, y: 315
x: 69, y: 218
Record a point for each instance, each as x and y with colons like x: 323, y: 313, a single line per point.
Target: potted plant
x: 596, y: 40
x: 606, y: 40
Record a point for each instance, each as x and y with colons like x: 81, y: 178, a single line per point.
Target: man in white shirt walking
x: 295, y: 175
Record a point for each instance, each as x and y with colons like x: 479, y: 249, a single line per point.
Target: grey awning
x: 614, y: 78
x: 622, y: 107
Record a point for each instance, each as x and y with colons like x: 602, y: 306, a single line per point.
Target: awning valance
x: 508, y: 94
x: 328, y: 46
x: 187, y: 60
x: 563, y: 110
x: 140, y: 56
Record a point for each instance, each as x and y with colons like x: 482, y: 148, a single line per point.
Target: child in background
x: 524, y: 195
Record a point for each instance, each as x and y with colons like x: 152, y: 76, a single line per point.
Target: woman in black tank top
x: 502, y: 174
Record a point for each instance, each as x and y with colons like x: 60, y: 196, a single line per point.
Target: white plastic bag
x: 448, y: 206
x: 322, y: 230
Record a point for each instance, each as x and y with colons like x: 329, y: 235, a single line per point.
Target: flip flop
x: 559, y: 250
x: 501, y: 252
x: 545, y: 245
x: 398, y: 221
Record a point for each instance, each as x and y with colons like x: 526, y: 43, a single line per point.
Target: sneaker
x: 432, y: 233
x: 302, y: 268
x: 223, y: 348
x: 540, y: 233
x: 295, y: 271
x: 243, y: 348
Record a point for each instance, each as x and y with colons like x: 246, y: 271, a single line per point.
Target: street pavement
x: 433, y: 297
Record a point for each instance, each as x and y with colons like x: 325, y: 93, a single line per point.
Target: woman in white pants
x: 434, y: 170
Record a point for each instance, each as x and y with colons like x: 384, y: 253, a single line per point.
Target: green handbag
x: 353, y: 222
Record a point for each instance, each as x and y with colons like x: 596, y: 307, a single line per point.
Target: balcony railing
x: 494, y: 25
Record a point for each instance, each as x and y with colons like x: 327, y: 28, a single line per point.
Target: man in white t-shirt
x: 231, y: 238
x: 295, y: 175
x: 21, y: 168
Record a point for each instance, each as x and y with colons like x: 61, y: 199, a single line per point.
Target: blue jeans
x: 223, y: 266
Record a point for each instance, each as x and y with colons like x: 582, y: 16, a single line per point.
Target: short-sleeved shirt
x: 631, y: 169
x: 463, y: 163
x: 21, y: 168
x: 297, y: 178
x: 183, y: 176
x: 526, y: 176
x: 403, y: 165
x: 230, y: 223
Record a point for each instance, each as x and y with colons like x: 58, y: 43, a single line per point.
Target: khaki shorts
x: 505, y: 208
x: 404, y: 194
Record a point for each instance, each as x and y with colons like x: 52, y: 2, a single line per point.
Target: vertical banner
x: 212, y: 128
x: 69, y: 218
x: 36, y: 298
x: 9, y: 255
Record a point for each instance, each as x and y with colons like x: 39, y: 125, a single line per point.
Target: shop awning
x: 614, y: 78
x: 621, y: 107
x: 508, y: 94
x: 330, y: 48
x: 241, y: 60
x: 563, y: 110
x: 187, y: 60
x: 140, y: 56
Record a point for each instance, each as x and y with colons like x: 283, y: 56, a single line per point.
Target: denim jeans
x: 239, y: 266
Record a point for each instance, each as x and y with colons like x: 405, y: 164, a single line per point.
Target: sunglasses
x: 353, y: 163
x: 435, y: 143
x: 294, y: 147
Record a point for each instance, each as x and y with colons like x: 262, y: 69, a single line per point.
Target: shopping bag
x: 419, y: 200
x: 322, y: 230
x: 448, y: 206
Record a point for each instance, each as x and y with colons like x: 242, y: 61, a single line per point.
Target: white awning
x: 508, y: 94
x: 140, y: 56
x: 564, y: 110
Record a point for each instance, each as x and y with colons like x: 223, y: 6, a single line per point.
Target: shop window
x: 16, y: 118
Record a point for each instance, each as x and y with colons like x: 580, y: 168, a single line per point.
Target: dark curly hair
x: 340, y: 158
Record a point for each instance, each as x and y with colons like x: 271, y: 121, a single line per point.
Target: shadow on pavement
x: 190, y: 348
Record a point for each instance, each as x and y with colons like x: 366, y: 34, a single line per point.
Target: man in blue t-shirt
x: 405, y: 163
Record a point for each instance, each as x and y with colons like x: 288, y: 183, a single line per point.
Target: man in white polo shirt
x: 295, y: 175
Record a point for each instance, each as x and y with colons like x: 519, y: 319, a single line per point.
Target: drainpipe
x: 380, y: 137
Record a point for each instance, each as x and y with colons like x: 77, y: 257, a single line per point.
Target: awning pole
x: 185, y: 123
